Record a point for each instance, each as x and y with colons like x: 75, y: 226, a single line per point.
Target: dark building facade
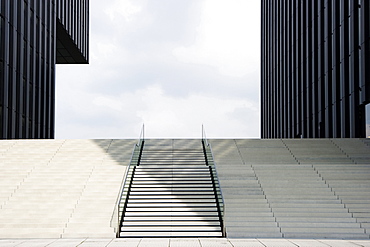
x: 34, y: 36
x: 315, y: 68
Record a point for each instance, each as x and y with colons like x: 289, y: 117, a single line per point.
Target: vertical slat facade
x: 27, y: 69
x: 27, y: 62
x: 74, y: 16
x: 315, y: 68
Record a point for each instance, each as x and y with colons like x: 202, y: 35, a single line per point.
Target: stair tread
x: 172, y: 218
x: 171, y: 209
x: 152, y: 181
x: 171, y: 234
x: 166, y: 179
x: 170, y: 228
x: 172, y: 192
x: 171, y: 223
x: 186, y: 200
x: 170, y: 185
x: 155, y: 205
x: 172, y: 213
x: 163, y: 189
x: 206, y: 196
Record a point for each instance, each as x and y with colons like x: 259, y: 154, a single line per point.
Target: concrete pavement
x: 181, y: 242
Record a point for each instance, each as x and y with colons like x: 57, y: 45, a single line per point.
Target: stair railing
x: 207, y: 150
x: 127, y: 183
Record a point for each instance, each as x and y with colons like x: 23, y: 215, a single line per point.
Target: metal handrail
x: 134, y: 161
x: 212, y: 168
x: 119, y: 199
x: 204, y: 137
x: 141, y: 137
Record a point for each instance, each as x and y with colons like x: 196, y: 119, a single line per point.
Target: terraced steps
x: 315, y: 188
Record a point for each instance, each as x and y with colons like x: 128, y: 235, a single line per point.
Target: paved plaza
x: 184, y: 242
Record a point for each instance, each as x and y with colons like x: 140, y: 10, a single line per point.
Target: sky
x: 170, y: 65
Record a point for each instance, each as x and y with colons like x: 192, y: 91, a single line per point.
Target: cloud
x: 226, y: 38
x: 125, y: 9
x: 163, y: 115
x: 166, y: 65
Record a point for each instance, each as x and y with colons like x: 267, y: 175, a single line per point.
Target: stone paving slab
x: 182, y: 242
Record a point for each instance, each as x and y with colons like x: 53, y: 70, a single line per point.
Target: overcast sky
x: 170, y: 64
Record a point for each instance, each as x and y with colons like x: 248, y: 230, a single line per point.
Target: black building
x: 34, y: 36
x: 315, y: 68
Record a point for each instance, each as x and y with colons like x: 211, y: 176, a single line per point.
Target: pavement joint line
x: 172, y: 242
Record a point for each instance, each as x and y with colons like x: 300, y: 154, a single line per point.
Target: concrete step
x: 313, y: 214
x: 256, y: 229
x: 161, y: 182
x: 297, y: 202
x: 298, y: 196
x: 319, y: 225
x: 356, y: 201
x: 255, y: 218
x: 159, y: 179
x: 234, y: 196
x: 31, y: 225
x: 251, y: 223
x: 321, y: 205
x: 172, y: 209
x: 357, y: 205
x: 354, y: 190
x: 171, y: 223
x: 359, y: 210
x: 361, y: 215
x: 199, y: 218
x: 309, y: 210
x: 308, y: 185
x: 177, y: 164
x: 171, y: 214
x: 189, y: 192
x: 161, y: 228
x: 151, y: 186
x: 366, y: 225
x: 193, y: 172
x: 300, y: 192
x: 137, y: 234
x: 170, y: 205
x: 350, y: 197
x: 172, y: 201
x: 254, y: 207
x: 250, y: 214
x: 173, y: 196
x: 236, y: 232
x: 326, y: 235
x: 315, y: 219
x: 31, y: 233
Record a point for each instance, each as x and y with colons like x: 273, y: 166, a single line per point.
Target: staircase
x: 172, y: 193
x: 295, y: 188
